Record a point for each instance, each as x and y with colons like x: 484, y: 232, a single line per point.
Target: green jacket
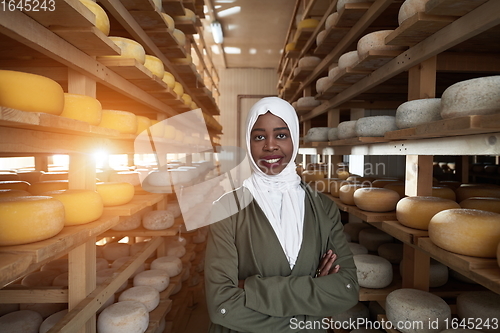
x: 275, y: 298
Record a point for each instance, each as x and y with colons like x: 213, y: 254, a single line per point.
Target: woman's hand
x: 325, y: 266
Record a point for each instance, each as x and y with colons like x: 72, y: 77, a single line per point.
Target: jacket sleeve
x: 225, y: 300
x: 324, y: 296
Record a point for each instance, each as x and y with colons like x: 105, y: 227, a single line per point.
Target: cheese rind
x: 147, y: 295
x: 129, y: 49
x: 25, y: 321
x: 479, y: 306
x: 29, y: 219
x: 155, y: 65
x: 171, y: 264
x: 158, y: 220
x: 156, y: 278
x: 374, y: 199
x: 126, y: 316
x: 373, y: 271
x: 115, y: 194
x: 123, y: 121
x: 80, y: 206
x: 416, y: 212
x: 101, y: 18
x: 372, y: 238
x: 83, y: 108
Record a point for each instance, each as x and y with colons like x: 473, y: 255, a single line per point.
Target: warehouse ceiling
x: 254, y: 31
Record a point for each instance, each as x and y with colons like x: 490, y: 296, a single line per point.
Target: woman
x: 280, y: 262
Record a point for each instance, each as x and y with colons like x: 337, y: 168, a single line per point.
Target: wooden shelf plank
x: 302, y: 37
x: 188, y: 27
x: 351, y: 13
x: 142, y: 232
x: 332, y: 37
x: 375, y: 59
x: 173, y: 7
x: 370, y: 294
x: 417, y: 28
x: 139, y: 202
x: 13, y: 266
x: 452, y: 7
x: 300, y: 73
x: 158, y: 314
x: 357, y: 141
x: 404, y: 234
x: 350, y: 76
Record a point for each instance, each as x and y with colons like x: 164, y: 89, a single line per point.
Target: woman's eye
x: 259, y: 137
x: 281, y: 136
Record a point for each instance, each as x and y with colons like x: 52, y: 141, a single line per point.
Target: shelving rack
x: 450, y: 42
x: 65, y: 46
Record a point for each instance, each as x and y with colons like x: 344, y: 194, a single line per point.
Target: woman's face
x: 271, y: 144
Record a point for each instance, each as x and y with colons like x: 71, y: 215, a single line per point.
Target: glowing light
x: 252, y: 51
x: 229, y: 11
x: 215, y: 49
x: 232, y: 50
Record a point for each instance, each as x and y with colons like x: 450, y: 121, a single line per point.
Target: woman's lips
x: 271, y: 161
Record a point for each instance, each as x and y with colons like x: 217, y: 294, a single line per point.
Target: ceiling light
x: 217, y: 32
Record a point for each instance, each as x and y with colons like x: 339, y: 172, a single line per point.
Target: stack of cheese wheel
x: 376, y: 41
x: 30, y: 92
x: 375, y: 126
x: 83, y: 108
x: 115, y: 194
x: 346, y: 193
x: 117, y: 263
x: 417, y: 306
x: 374, y: 199
x: 171, y: 264
x: 156, y: 278
x: 347, y: 129
x: 155, y: 65
x: 416, y: 212
x: 417, y: 112
x: 130, y: 49
x: 15, y: 185
x: 373, y: 271
x: 372, y: 238
x: 29, y: 219
x: 471, y: 97
x: 123, y: 121
x: 125, y: 316
x: 80, y: 206
x: 101, y: 18
x: 482, y: 203
x: 26, y: 321
x: 483, y: 190
x: 479, y: 307
x: 470, y: 232
x: 147, y: 295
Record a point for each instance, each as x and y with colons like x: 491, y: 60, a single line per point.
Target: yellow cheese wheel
x: 188, y: 16
x: 342, y: 174
x: 374, y: 199
x: 155, y: 65
x: 482, y: 203
x: 169, y: 21
x: 115, y: 194
x: 169, y: 132
x: 80, y: 206
x: 53, y: 175
x: 443, y: 192
x: 101, y: 18
x: 470, y: 232
x: 180, y: 37
x: 30, y: 92
x: 187, y: 99
x: 335, y: 185
x: 290, y: 47
x: 194, y: 106
x: 416, y: 212
x: 178, y: 89
x: 313, y: 175
x: 465, y: 192
x: 142, y: 124
x: 346, y: 193
x: 182, y: 61
x: 122, y: 121
x: 157, y: 128
x: 83, y: 108
x: 398, y: 187
x: 29, y: 219
x: 47, y: 186
x: 129, y: 49
x: 169, y: 79
x: 14, y: 185
x: 5, y: 193
x: 307, y: 23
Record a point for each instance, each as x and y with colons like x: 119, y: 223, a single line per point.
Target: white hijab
x: 279, y: 196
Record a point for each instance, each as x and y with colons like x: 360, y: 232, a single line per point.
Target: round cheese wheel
x: 307, y: 23
x: 80, y: 206
x: 147, y: 295
x: 174, y: 208
x: 347, y: 129
x: 83, y: 108
x: 417, y: 112
x: 126, y: 316
x: 465, y: 192
x: 443, y: 192
x: 479, y: 306
x: 129, y: 222
x: 30, y: 92
x: 5, y: 193
x: 373, y: 271
x: 335, y: 185
x: 375, y: 41
x: 416, y: 212
x: 158, y: 220
x: 101, y: 18
x: 137, y: 247
x: 417, y: 306
x: 320, y: 37
x: 157, y: 128
x: 359, y: 312
x: 178, y: 89
x: 308, y: 102
x: 357, y: 248
x: 310, y: 61
x: 159, y: 178
x: 410, y: 8
x: 478, y: 96
x: 176, y: 251
x: 47, y: 186
x: 332, y: 73
x: 399, y: 187
x: 346, y: 193
x: 188, y: 16
x: 62, y: 280
x: 25, y: 321
x: 115, y: 194
x: 331, y: 20
x: 156, y: 278
x: 51, y: 321
x: 317, y: 134
x: 187, y: 99
x: 374, y: 199
x: 393, y: 252
x: 470, y: 232
x: 45, y: 309
x: 438, y: 274
x: 482, y: 203
x: 113, y: 251
x: 40, y: 278
x: 123, y: 121
x: 29, y: 219
x: 372, y: 238
x: 171, y: 264
x: 353, y: 229
x: 375, y: 126
x: 169, y: 133
x: 169, y: 22
x: 290, y: 47
x: 312, y: 175
x: 61, y: 265
x: 169, y: 79
x: 129, y: 49
x: 333, y: 134
x: 348, y: 59
x: 323, y: 84
x: 180, y: 37
x: 155, y: 65
x: 132, y: 177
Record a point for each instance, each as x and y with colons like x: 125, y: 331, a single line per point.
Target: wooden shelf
x: 332, y: 37
x: 404, y: 234
x: 173, y: 7
x: 138, y: 203
x: 302, y: 37
x: 351, y: 13
x: 370, y: 217
x: 301, y: 73
x: 452, y: 7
